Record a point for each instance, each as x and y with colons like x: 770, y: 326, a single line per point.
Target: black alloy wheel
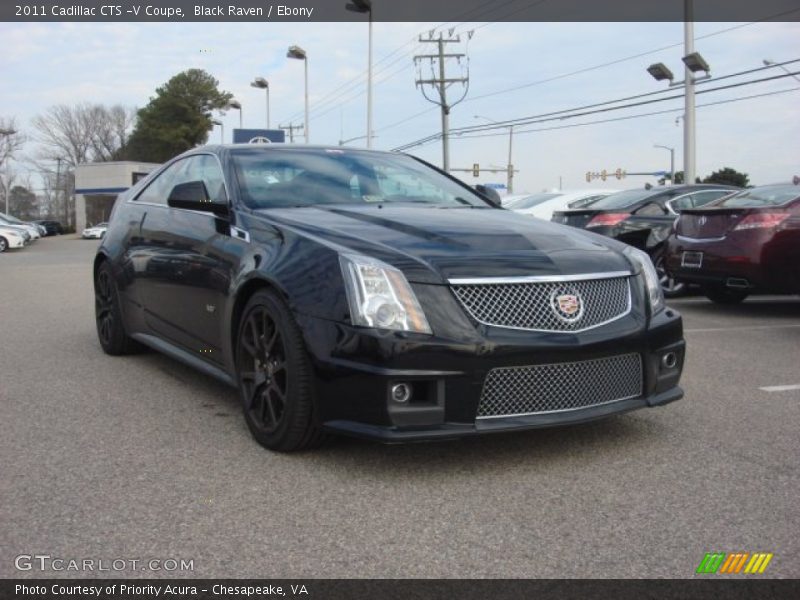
x: 110, y: 328
x: 274, y: 376
x: 3, y: 244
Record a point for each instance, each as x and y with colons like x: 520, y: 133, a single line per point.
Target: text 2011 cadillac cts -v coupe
x: 371, y: 294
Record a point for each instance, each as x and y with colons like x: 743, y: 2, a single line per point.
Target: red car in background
x: 744, y: 243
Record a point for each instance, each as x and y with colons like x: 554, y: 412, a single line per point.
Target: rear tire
x: 722, y: 295
x: 275, y: 376
x: 108, y: 315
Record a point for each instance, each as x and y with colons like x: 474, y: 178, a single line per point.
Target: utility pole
x: 58, y: 188
x: 441, y: 82
x: 291, y: 129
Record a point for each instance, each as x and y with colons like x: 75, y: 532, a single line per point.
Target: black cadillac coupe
x: 371, y: 294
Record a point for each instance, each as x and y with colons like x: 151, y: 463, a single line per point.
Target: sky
x: 43, y: 64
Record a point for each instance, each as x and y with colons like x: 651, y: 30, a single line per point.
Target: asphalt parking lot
x: 140, y: 457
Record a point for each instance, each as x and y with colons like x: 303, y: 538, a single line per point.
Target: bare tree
x: 82, y: 133
x: 11, y: 140
x: 71, y: 135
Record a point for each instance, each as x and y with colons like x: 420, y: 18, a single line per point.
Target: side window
x: 205, y: 168
x: 157, y: 190
x: 650, y: 209
x: 702, y: 198
x: 682, y: 203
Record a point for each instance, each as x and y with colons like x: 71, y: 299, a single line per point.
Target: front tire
x: 3, y: 244
x: 108, y: 315
x: 275, y: 376
x: 722, y: 295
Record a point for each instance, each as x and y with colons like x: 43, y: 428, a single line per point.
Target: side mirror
x: 193, y: 195
x: 490, y: 194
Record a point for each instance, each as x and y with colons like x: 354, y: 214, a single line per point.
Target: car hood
x: 432, y: 245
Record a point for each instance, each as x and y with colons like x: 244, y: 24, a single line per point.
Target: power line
x: 587, y: 69
x: 520, y: 120
x: 555, y: 116
x: 629, y: 117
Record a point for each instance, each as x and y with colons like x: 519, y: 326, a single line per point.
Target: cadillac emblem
x: 567, y: 304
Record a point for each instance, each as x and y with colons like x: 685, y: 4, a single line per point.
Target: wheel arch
x: 243, y: 295
x: 99, y: 259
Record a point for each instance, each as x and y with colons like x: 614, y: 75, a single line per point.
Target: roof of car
x: 217, y: 148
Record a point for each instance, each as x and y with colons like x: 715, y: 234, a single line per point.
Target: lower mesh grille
x: 509, y: 391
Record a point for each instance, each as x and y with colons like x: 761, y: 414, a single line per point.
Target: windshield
x: 768, y: 195
x: 531, y: 201
x: 622, y: 199
x: 306, y: 177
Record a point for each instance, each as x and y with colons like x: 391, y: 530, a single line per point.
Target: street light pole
x: 671, y: 162
x: 365, y: 6
x: 221, y: 130
x: 369, y: 84
x: 235, y: 104
x: 300, y: 54
x: 689, y: 101
x: 263, y: 84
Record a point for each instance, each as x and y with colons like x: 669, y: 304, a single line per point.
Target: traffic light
x: 476, y: 170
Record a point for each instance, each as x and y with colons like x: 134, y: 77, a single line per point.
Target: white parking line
x: 780, y: 388
x: 745, y: 328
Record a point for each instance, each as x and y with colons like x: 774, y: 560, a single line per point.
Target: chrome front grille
x: 533, y: 304
x: 540, y: 389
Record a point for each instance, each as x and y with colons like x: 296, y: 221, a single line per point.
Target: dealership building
x: 97, y: 186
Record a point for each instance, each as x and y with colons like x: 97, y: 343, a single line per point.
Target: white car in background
x: 32, y: 228
x: 543, y: 205
x: 95, y: 232
x: 13, y: 237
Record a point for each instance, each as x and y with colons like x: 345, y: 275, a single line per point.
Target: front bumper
x: 355, y: 369
x: 16, y: 242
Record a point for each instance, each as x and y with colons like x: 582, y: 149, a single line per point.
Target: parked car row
x: 730, y: 242
x: 18, y: 234
x: 543, y: 205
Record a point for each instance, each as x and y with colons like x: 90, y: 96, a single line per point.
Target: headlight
x: 380, y: 297
x: 643, y: 265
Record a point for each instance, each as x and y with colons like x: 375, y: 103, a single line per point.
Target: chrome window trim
x: 539, y: 278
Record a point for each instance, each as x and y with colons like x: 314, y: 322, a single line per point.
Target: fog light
x: 669, y: 360
x: 401, y: 392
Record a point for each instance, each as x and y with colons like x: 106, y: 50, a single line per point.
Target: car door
x: 191, y: 260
